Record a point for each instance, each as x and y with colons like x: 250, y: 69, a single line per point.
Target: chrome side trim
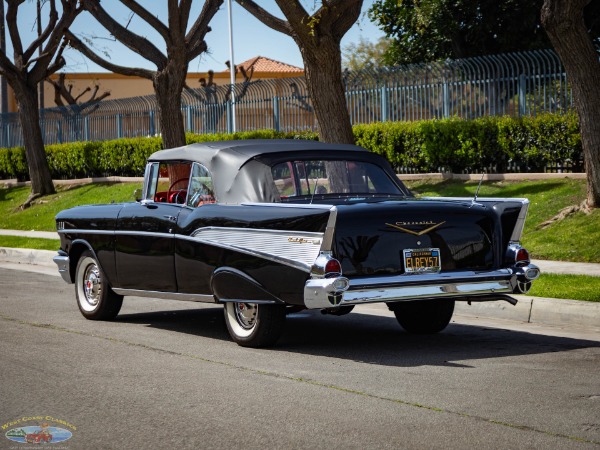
x: 144, y: 233
x: 116, y: 232
x: 480, y: 199
x: 290, y: 205
x: 520, y: 225
x: 79, y: 230
x: 327, y: 245
x: 293, y: 248
x: 205, y: 298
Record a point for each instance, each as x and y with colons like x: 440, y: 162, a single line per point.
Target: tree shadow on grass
x: 454, y: 189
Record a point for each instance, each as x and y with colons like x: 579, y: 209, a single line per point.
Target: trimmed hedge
x: 493, y: 144
x: 121, y: 157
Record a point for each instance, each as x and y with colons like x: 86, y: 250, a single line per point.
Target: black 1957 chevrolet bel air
x: 268, y: 226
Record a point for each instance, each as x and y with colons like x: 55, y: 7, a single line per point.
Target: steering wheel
x: 178, y: 193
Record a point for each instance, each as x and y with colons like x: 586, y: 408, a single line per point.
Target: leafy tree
x: 365, y: 55
x: 429, y: 30
x: 25, y: 71
x: 318, y: 37
x: 572, y: 40
x: 182, y: 44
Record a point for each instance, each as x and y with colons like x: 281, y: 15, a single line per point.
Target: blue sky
x: 251, y: 38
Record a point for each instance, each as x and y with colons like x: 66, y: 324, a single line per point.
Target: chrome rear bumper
x: 466, y: 285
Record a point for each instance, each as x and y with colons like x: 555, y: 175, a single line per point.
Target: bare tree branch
x: 43, y: 66
x: 11, y: 23
x: 194, y: 39
x: 196, y: 50
x: 85, y: 50
x: 150, y: 19
x: 24, y: 74
x: 185, y: 6
x: 35, y: 45
x: 265, y: 17
x: 134, y: 42
x: 7, y: 68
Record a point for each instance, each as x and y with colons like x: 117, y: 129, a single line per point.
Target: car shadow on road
x: 372, y: 339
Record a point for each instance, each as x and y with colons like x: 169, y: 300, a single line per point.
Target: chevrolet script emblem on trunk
x: 398, y: 226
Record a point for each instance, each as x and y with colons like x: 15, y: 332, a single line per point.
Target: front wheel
x: 253, y: 325
x: 95, y: 298
x: 423, y: 316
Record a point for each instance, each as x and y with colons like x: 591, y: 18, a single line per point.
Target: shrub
x: 497, y: 144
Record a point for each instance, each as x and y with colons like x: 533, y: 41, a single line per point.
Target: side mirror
x: 137, y: 195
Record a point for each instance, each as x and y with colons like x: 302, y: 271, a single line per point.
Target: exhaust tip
x: 532, y: 273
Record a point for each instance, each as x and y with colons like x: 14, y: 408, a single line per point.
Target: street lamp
x: 231, y: 66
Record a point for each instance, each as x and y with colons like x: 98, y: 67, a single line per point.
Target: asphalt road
x: 166, y: 375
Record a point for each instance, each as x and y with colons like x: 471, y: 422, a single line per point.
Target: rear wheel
x: 423, y: 316
x: 95, y: 298
x: 253, y: 325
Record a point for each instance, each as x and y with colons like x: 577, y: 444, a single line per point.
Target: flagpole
x: 231, y: 66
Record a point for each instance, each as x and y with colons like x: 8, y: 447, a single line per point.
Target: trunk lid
x: 371, y: 239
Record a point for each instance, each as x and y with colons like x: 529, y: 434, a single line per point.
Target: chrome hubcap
x: 246, y: 313
x: 92, y: 285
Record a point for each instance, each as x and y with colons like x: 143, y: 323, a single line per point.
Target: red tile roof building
x: 261, y: 64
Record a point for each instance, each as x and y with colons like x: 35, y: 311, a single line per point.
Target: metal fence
x: 526, y: 83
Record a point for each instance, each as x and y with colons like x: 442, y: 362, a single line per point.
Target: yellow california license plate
x: 422, y: 260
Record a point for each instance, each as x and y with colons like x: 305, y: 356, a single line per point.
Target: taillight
x: 522, y: 255
x: 516, y: 255
x: 326, y: 266
x: 332, y: 267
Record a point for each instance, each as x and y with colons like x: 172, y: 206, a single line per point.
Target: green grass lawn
x: 40, y: 216
x: 575, y: 287
x: 26, y: 242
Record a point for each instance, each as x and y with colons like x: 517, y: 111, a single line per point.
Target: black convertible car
x: 270, y: 226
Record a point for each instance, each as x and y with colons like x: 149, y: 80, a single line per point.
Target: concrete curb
x: 27, y: 256
x: 549, y: 311
x: 489, y: 176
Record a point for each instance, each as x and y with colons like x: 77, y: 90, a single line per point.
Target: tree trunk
x: 168, y: 85
x: 39, y: 171
x: 326, y: 89
x: 564, y: 23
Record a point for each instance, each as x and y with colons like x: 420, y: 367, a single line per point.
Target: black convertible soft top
x: 241, y: 168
